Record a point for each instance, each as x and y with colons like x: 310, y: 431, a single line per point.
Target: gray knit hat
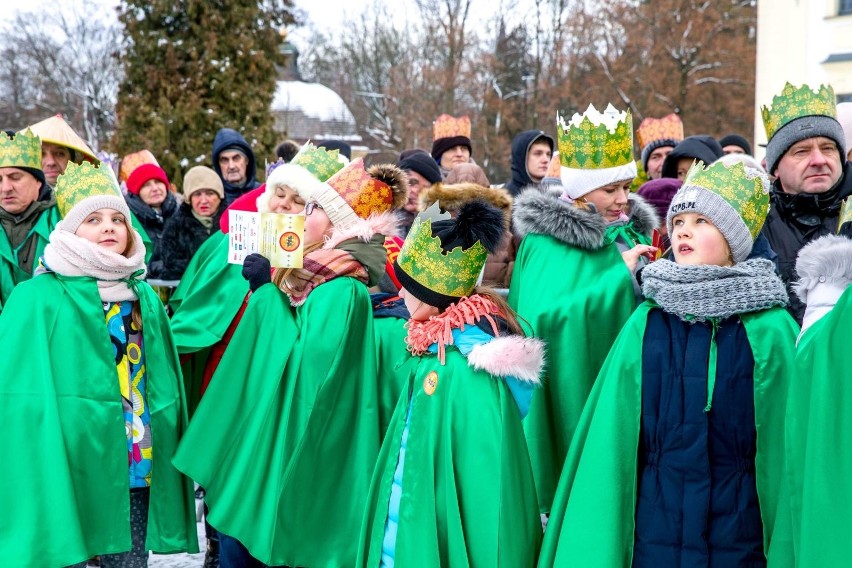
x: 735, y: 199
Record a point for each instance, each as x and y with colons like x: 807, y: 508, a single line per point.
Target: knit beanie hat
x: 202, y: 177
x: 356, y: 193
x: 656, y: 133
x: 422, y: 163
x: 700, y: 148
x: 595, y: 149
x: 342, y: 147
x: 799, y: 113
x: 659, y: 193
x: 85, y: 188
x: 734, y: 198
x: 139, y: 167
x: 22, y: 151
x: 735, y: 140
x: 441, y: 260
x: 304, y: 174
x: 449, y: 132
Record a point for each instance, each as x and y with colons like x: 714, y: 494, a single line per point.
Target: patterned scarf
x: 318, y: 267
x: 439, y: 329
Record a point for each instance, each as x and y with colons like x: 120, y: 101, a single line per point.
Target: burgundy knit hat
x: 659, y: 193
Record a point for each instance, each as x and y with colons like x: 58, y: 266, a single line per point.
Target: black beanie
x: 702, y: 148
x: 736, y: 140
x: 423, y: 164
x: 342, y: 147
x: 441, y: 145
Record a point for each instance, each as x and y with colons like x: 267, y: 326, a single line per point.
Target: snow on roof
x: 312, y: 99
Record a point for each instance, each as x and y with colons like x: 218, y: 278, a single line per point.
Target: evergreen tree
x: 192, y: 67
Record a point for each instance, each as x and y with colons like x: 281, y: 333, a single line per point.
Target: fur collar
x: 827, y: 260
x: 451, y: 197
x: 510, y: 356
x: 386, y: 224
x: 540, y: 210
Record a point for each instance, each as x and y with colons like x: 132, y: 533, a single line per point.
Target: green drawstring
x: 627, y: 232
x: 132, y: 281
x: 711, y: 365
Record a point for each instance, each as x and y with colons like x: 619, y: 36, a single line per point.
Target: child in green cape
x: 91, y: 397
x: 574, y: 275
x: 678, y: 458
x: 287, y: 434
x: 453, y: 484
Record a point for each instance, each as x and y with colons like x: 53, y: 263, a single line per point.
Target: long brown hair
x: 135, y: 310
x: 511, y: 316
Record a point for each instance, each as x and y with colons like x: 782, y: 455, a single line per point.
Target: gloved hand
x: 257, y: 270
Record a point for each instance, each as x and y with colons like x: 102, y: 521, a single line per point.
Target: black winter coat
x: 795, y: 220
x: 152, y: 221
x: 696, y: 502
x: 520, y: 149
x: 182, y: 237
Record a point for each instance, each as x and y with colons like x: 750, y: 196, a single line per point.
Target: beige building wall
x: 800, y: 41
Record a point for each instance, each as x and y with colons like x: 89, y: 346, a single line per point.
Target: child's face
x: 695, y: 240
x: 419, y: 310
x: 106, y: 228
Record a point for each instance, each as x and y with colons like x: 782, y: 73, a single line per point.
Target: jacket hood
x: 451, y: 197
x: 228, y: 138
x: 701, y: 147
x: 520, y: 149
x: 541, y: 211
x: 510, y: 356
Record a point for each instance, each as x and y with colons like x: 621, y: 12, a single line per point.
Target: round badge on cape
x: 430, y: 383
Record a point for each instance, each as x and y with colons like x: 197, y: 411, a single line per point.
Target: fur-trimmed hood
x: 827, y: 260
x: 540, y: 210
x: 451, y: 197
x: 510, y: 356
x: 386, y: 224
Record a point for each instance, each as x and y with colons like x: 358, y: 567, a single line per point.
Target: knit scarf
x: 318, y: 267
x: 701, y: 292
x: 117, y: 275
x: 439, y: 329
x: 206, y: 221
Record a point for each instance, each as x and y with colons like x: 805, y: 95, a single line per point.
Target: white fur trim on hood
x: 510, y: 356
x: 293, y: 176
x: 386, y: 224
x: 824, y: 267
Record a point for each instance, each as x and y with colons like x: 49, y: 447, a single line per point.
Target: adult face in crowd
x: 205, y: 202
x: 54, y: 160
x: 233, y: 165
x: 416, y: 184
x: 538, y: 160
x: 456, y: 155
x: 153, y: 192
x: 812, y: 165
x: 18, y: 190
x: 656, y: 160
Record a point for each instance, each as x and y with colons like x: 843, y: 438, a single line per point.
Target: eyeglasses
x: 310, y: 206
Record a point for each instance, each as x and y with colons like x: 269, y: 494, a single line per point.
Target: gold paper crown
x: 132, y: 161
x: 596, y: 140
x: 452, y: 273
x: 321, y: 163
x: 364, y: 194
x: 81, y: 181
x: 22, y: 151
x: 447, y: 126
x: 746, y: 192
x: 796, y: 102
x: 54, y: 130
x: 670, y: 127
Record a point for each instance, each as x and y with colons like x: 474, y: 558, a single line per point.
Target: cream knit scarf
x: 69, y: 255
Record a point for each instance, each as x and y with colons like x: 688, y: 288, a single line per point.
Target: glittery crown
x: 747, y: 192
x: 596, y: 140
x: 447, y: 126
x: 22, y: 151
x: 84, y: 180
x: 132, y: 161
x: 363, y: 193
x: 796, y: 102
x: 452, y: 273
x: 670, y: 127
x: 322, y: 163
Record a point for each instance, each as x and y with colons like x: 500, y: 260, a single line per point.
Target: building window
x: 845, y: 7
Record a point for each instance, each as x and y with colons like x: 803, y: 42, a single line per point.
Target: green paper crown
x: 451, y: 273
x: 596, y: 140
x: 795, y: 103
x: 81, y: 181
x: 320, y: 162
x: 22, y: 151
x: 746, y: 192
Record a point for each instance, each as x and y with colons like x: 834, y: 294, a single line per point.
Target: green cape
x: 65, y: 483
x: 394, y: 363
x: 576, y: 301
x: 819, y: 438
x: 468, y: 496
x: 10, y: 273
x: 592, y: 522
x: 287, y: 434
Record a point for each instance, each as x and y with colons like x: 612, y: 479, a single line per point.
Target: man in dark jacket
x: 807, y: 155
x: 233, y: 160
x: 531, y: 152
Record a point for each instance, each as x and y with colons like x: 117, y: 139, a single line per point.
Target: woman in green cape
x: 91, y: 398
x: 286, y: 451
x: 574, y: 276
x: 453, y: 484
x: 678, y: 458
x: 819, y: 433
